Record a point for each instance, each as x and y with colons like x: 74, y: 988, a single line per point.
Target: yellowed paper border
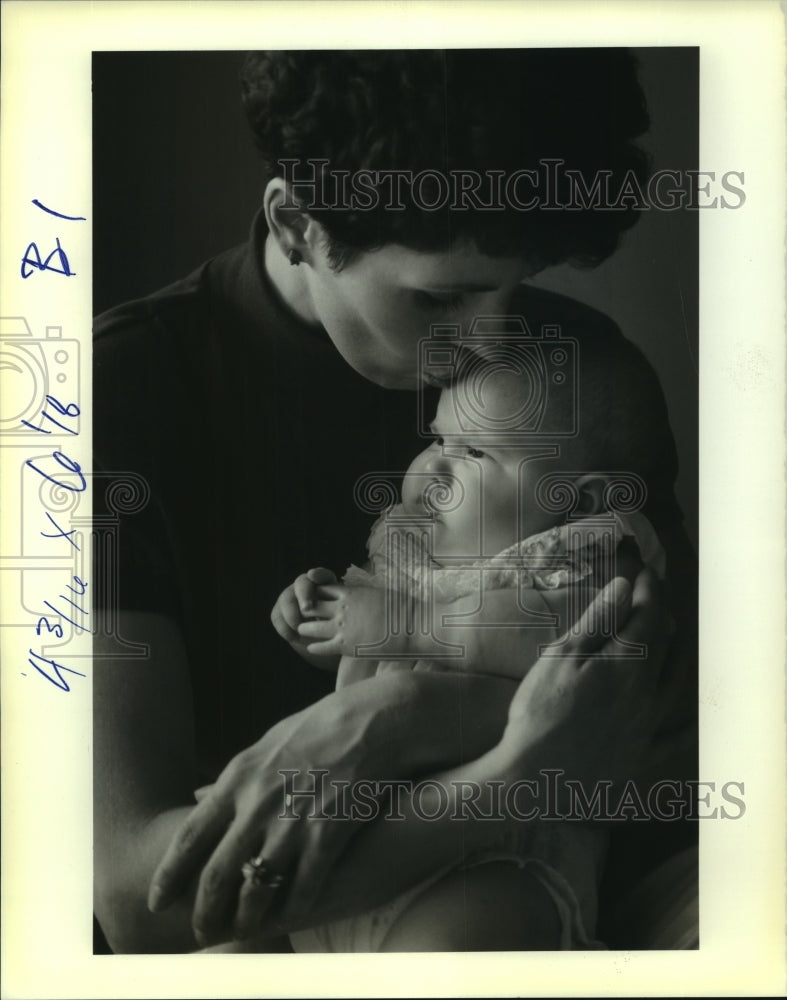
x: 46, y: 128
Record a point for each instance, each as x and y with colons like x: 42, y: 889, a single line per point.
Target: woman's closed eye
x: 439, y: 303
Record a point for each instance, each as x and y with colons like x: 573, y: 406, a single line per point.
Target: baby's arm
x: 494, y: 639
x: 501, y: 636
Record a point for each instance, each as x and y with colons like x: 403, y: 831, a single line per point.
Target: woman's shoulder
x: 178, y: 303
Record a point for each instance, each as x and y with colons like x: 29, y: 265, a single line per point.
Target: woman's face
x: 384, y: 302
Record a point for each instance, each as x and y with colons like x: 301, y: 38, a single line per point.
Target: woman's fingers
x: 259, y: 892
x: 193, y: 842
x: 322, y: 841
x: 221, y: 880
x: 641, y: 629
x: 598, y: 622
x: 649, y: 617
x: 254, y: 901
x: 321, y: 575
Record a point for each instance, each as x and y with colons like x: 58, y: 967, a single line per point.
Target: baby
x: 477, y: 569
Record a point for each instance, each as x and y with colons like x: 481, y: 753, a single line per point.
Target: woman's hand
x: 240, y: 813
x: 590, y: 703
x: 400, y: 723
x: 581, y: 709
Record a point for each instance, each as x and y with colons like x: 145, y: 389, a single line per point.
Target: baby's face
x: 493, y: 483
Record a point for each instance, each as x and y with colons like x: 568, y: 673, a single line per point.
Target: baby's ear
x: 591, y: 489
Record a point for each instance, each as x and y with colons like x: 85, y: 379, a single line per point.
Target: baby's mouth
x: 437, y: 379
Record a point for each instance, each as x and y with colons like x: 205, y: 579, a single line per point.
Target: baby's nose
x: 434, y: 461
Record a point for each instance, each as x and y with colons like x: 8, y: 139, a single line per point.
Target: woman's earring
x: 294, y: 257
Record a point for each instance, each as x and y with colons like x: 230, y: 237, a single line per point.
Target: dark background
x: 176, y: 179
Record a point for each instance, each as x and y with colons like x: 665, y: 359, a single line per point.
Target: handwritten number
x: 56, y: 628
x: 80, y: 583
x: 71, y: 410
x: 59, y: 681
x: 68, y: 464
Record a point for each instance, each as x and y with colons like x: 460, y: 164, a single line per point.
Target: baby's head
x: 478, y: 476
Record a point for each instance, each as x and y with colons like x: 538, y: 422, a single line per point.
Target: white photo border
x: 46, y: 143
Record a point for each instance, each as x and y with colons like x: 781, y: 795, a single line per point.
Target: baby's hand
x: 349, y: 617
x: 296, y: 605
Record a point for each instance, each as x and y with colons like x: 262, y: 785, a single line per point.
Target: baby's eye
x: 438, y: 440
x: 475, y: 453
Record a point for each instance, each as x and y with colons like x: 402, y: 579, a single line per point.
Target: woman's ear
x: 291, y: 226
x: 591, y: 489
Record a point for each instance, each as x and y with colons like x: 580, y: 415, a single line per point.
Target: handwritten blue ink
x: 32, y: 261
x: 71, y: 410
x: 67, y: 463
x: 61, y: 534
x: 64, y: 615
x: 57, y: 628
x: 70, y: 218
x: 60, y: 682
x: 78, y: 593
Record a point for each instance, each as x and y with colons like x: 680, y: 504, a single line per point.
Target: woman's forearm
x: 432, y: 720
x: 143, y: 777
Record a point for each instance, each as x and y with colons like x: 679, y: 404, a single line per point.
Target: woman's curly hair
x: 448, y: 110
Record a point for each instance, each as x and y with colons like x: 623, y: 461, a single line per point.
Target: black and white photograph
x: 404, y: 204
x: 389, y: 494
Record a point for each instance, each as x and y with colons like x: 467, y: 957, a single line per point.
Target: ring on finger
x: 259, y: 874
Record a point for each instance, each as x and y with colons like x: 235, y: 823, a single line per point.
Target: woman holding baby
x: 305, y: 341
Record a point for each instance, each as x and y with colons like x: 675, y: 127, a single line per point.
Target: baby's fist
x: 306, y: 590
x: 297, y: 603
